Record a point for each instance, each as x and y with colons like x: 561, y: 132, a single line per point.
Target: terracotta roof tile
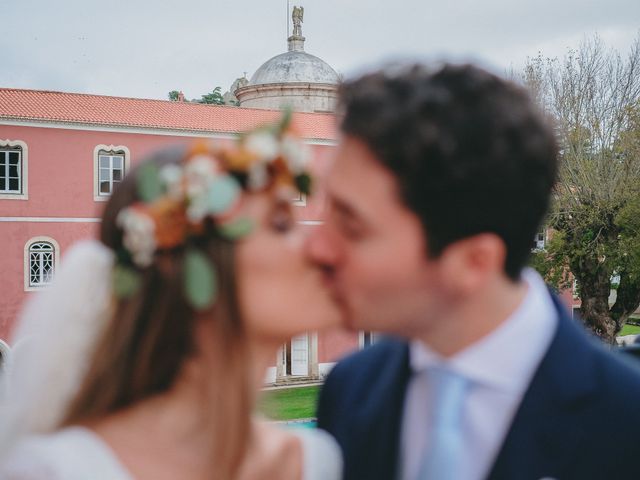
x: 77, y: 108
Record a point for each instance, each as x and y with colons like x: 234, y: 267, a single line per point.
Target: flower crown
x: 177, y: 199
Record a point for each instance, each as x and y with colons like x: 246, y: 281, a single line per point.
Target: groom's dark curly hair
x: 470, y: 151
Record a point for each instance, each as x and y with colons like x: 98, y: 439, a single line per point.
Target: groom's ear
x: 468, y: 264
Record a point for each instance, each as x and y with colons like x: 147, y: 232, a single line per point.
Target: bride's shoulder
x: 322, y: 457
x: 273, y: 453
x: 292, y: 453
x: 71, y: 453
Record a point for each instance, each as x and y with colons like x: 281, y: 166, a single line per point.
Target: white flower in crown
x: 263, y: 144
x: 296, y: 153
x: 171, y: 176
x: 198, y: 208
x: 258, y: 177
x: 199, y: 172
x: 139, y: 235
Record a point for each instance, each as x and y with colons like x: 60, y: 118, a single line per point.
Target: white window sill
x: 14, y: 196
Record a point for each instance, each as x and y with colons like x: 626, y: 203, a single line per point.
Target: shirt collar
x: 507, y: 357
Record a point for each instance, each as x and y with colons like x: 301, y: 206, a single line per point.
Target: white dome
x: 294, y: 66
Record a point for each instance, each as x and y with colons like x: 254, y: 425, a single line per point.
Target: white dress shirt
x: 500, y: 367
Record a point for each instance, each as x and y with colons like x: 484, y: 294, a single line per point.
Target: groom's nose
x: 322, y: 247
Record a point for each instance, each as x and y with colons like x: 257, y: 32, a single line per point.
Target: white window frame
x: 28, y: 287
x: 110, y: 150
x: 540, y: 244
x: 300, y: 201
x: 23, y: 170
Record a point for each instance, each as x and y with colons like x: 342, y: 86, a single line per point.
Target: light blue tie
x: 447, y: 393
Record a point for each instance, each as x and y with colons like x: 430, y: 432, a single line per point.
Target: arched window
x: 40, y: 264
x: 13, y: 170
x: 41, y: 259
x: 110, y: 164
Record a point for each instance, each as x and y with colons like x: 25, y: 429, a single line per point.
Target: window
x: 366, y: 339
x: 111, y: 163
x: 111, y: 171
x: 540, y: 240
x: 13, y: 170
x: 41, y: 259
x: 10, y: 171
x: 300, y: 200
x: 40, y: 264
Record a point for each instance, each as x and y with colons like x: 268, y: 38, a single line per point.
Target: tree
x: 215, y: 97
x: 174, y: 95
x: 593, y: 94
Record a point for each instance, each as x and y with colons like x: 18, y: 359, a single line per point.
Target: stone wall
x: 301, y: 97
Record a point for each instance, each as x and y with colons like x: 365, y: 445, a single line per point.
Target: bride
x: 144, y: 358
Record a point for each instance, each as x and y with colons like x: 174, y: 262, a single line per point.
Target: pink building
x: 62, y: 153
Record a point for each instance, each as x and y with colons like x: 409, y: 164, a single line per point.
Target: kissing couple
x: 144, y: 359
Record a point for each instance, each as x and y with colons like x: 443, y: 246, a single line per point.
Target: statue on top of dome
x: 297, y: 16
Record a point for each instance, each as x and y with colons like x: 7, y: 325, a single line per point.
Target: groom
x: 441, y: 180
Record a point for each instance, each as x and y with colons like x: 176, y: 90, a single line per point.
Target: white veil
x: 54, y: 339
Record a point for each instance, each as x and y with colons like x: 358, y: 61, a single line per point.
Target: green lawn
x: 289, y: 403
x: 630, y: 330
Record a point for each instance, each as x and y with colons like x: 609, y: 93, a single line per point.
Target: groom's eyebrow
x: 342, y: 207
x: 348, y: 216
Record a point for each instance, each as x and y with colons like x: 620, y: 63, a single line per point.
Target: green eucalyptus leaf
x: 236, y: 229
x: 200, y: 281
x: 149, y: 182
x: 123, y: 257
x: 222, y: 194
x: 303, y: 183
x: 126, y: 281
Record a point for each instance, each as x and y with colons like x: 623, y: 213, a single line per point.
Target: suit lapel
x: 545, y: 434
x: 378, y: 421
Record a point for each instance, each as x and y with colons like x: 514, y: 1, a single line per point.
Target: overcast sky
x: 145, y: 48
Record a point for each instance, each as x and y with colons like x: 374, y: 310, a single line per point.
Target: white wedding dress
x: 76, y: 453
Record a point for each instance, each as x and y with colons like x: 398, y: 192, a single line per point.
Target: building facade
x: 61, y: 155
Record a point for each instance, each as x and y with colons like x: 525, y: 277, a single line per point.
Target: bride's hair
x: 151, y: 333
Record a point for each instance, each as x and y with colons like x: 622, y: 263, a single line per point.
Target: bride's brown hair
x: 151, y: 334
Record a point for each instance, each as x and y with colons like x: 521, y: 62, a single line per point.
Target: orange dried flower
x: 170, y: 220
x: 239, y: 159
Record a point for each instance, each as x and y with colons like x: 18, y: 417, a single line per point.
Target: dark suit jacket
x: 579, y: 419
